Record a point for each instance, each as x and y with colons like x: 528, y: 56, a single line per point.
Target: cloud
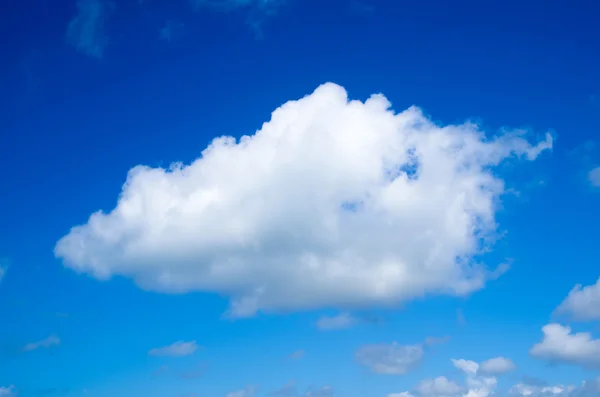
x: 289, y: 390
x: 257, y: 10
x: 342, y: 320
x: 392, y: 359
x: 248, y: 391
x: 8, y: 391
x: 171, y: 30
x: 177, y: 349
x: 439, y: 386
x: 582, y: 303
x: 594, y: 177
x: 266, y: 6
x: 432, y: 341
x: 467, y: 366
x: 475, y: 385
x: 497, y: 366
x: 323, y: 391
x: 585, y: 389
x: 50, y: 341
x: 297, y: 355
x: 332, y: 203
x: 2, y: 272
x: 561, y: 346
x: 86, y: 31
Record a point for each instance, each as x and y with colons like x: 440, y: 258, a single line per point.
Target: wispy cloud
x: 258, y: 10
x: 342, y: 320
x: 171, y: 30
x: 7, y: 391
x: 50, y: 341
x: 177, y: 349
x: 297, y: 355
x: 248, y: 391
x: 86, y: 31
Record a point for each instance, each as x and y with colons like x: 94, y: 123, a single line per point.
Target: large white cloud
x: 333, y: 203
x: 560, y: 345
x: 582, y: 303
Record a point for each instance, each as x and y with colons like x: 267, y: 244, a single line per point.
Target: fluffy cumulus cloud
x: 437, y: 387
x: 390, y: 359
x: 50, y: 341
x: 561, y: 345
x: 582, y: 303
x: 497, y: 366
x: 332, y: 203
x: 474, y: 386
x: 342, y: 320
x: 86, y: 31
x: 177, y: 349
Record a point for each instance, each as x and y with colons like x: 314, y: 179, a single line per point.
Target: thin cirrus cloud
x: 390, y: 359
x: 9, y: 391
x: 257, y: 10
x: 340, y: 321
x: 297, y: 355
x: 86, y: 31
x: 248, y: 391
x: 333, y: 203
x: 594, y: 177
x: 177, y: 349
x: 50, y: 341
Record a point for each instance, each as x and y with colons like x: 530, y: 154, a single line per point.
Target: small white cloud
x: 248, y: 391
x: 437, y: 387
x: 50, y: 341
x: 177, y: 349
x: 497, y: 366
x: 582, y: 303
x: 475, y: 385
x: 467, y: 366
x: 9, y: 391
x: 594, y: 177
x: 392, y: 359
x: 342, y: 320
x: 332, y: 203
x: 560, y: 345
x: 86, y: 31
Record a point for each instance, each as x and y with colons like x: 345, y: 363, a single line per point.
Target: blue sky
x: 413, y: 211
